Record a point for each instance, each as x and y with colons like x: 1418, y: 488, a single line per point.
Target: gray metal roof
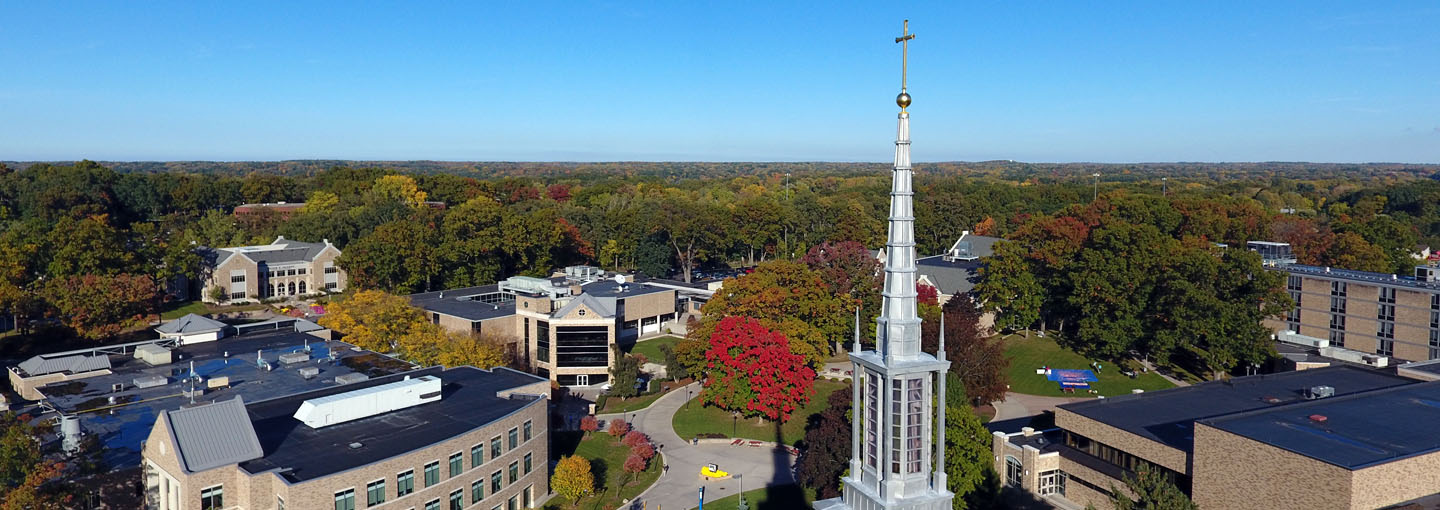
x: 593, y: 303
x: 293, y: 251
x: 41, y: 365
x: 214, y: 435
x: 191, y: 323
x: 951, y: 276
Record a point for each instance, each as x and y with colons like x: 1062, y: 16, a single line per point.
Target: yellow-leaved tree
x: 374, y: 320
x: 399, y: 188
x: 572, y: 479
x: 429, y: 344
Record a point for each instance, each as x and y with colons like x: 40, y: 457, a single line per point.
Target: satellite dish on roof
x: 620, y: 279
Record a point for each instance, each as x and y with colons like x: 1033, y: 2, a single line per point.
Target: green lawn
x: 650, y: 348
x: 699, y: 419
x: 625, y: 405
x: 195, y: 307
x: 612, y: 483
x: 779, y: 497
x: 1026, y: 355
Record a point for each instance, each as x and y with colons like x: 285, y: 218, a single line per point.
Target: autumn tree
x: 693, y: 229
x: 399, y: 189
x: 431, y: 344
x: 825, y: 451
x: 927, y: 295
x: 373, y: 320
x: 88, y: 246
x: 617, y: 428
x: 572, y: 479
x: 786, y: 297
x: 849, y: 270
x: 98, y: 307
x: 977, y: 359
x: 752, y: 371
x: 589, y: 424
x: 635, y: 464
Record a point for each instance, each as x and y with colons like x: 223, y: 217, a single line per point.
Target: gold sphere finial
x: 903, y: 99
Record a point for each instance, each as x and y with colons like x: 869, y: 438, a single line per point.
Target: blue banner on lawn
x: 1071, y: 376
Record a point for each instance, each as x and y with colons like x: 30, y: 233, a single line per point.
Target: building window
x: 477, y: 456
x: 457, y: 499
x: 457, y: 464
x: 237, y: 278
x: 375, y: 493
x: 1337, y: 289
x: 915, y: 403
x: 582, y: 346
x: 1387, y: 295
x: 1386, y: 312
x: 513, y: 503
x: 329, y: 269
x: 529, y: 496
x: 331, y: 285
x: 1052, y: 483
x: 302, y: 287
x: 475, y: 328
x: 1386, y: 348
x: 477, y: 491
x: 212, y: 498
x: 542, y: 341
x: 897, y: 431
x: 300, y: 271
x: 237, y: 295
x: 1337, y: 321
x: 528, y: 426
x: 514, y: 471
x: 514, y: 436
x: 1337, y: 338
x: 1013, y: 469
x: 433, y: 504
x: 495, y: 481
x: 872, y: 419
x: 1435, y: 301
x: 432, y: 473
x: 528, y: 458
x: 405, y: 483
x: 291, y: 272
x: 1387, y: 330
x: 345, y: 500
x: 1435, y: 319
x: 1292, y: 283
x: 272, y: 291
x: 1337, y: 305
x: 494, y: 447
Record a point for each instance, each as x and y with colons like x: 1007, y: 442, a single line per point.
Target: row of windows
x: 280, y: 289
x: 285, y: 272
x: 237, y: 278
x: 1123, y: 459
x: 405, y: 482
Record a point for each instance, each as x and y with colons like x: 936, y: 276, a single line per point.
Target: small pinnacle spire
x: 940, y: 353
x: 857, y: 330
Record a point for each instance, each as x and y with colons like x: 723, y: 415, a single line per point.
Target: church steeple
x: 897, y: 437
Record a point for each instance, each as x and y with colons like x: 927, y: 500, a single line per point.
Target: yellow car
x: 713, y: 472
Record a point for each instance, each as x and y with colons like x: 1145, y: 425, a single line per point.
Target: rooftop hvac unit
x: 363, y: 403
x: 1315, y: 392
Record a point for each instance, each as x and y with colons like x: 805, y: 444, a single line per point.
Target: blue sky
x: 720, y: 81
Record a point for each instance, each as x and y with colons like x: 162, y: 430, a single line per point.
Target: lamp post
x: 687, y: 396
x: 734, y: 423
x: 1164, y: 186
x: 743, y: 505
x: 1096, y: 195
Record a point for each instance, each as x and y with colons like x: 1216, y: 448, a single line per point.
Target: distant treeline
x: 1012, y: 170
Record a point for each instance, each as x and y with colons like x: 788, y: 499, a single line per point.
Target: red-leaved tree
x: 589, y: 424
x: 752, y: 371
x: 634, y: 464
x: 618, y: 428
x: 926, y: 294
x: 633, y: 438
x: 645, y: 450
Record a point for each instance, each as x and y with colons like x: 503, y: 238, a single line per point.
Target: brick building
x: 1319, y: 438
x: 460, y: 438
x: 281, y: 268
x: 1388, y: 315
x: 565, y: 327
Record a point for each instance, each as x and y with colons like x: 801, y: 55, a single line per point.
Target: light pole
x: 1096, y: 196
x: 743, y: 505
x: 1164, y: 186
x: 734, y: 423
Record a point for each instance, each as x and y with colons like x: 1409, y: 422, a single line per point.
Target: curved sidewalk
x: 678, y: 489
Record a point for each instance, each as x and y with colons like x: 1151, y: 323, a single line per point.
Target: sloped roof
x: 950, y: 276
x: 590, y: 302
x: 980, y: 246
x: 214, y: 435
x: 191, y: 323
x: 280, y: 251
x: 41, y: 365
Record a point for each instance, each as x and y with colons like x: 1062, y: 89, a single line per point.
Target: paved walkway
x: 678, y: 488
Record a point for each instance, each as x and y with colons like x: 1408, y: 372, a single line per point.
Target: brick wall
x: 1231, y: 471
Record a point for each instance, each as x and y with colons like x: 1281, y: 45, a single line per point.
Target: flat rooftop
x: 1387, y: 279
x: 610, y: 289
x: 121, y: 426
x: 1169, y: 416
x: 1357, y: 431
x: 468, y: 401
x: 465, y: 303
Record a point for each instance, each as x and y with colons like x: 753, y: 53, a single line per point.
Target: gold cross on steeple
x: 904, y: 99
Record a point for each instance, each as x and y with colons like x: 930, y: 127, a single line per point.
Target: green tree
x: 1008, y: 287
x: 969, y: 459
x: 88, y: 245
x: 472, y: 240
x: 1114, y: 282
x: 624, y: 375
x: 1207, y: 306
x: 674, y: 368
x: 1153, y: 491
x: 397, y: 257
